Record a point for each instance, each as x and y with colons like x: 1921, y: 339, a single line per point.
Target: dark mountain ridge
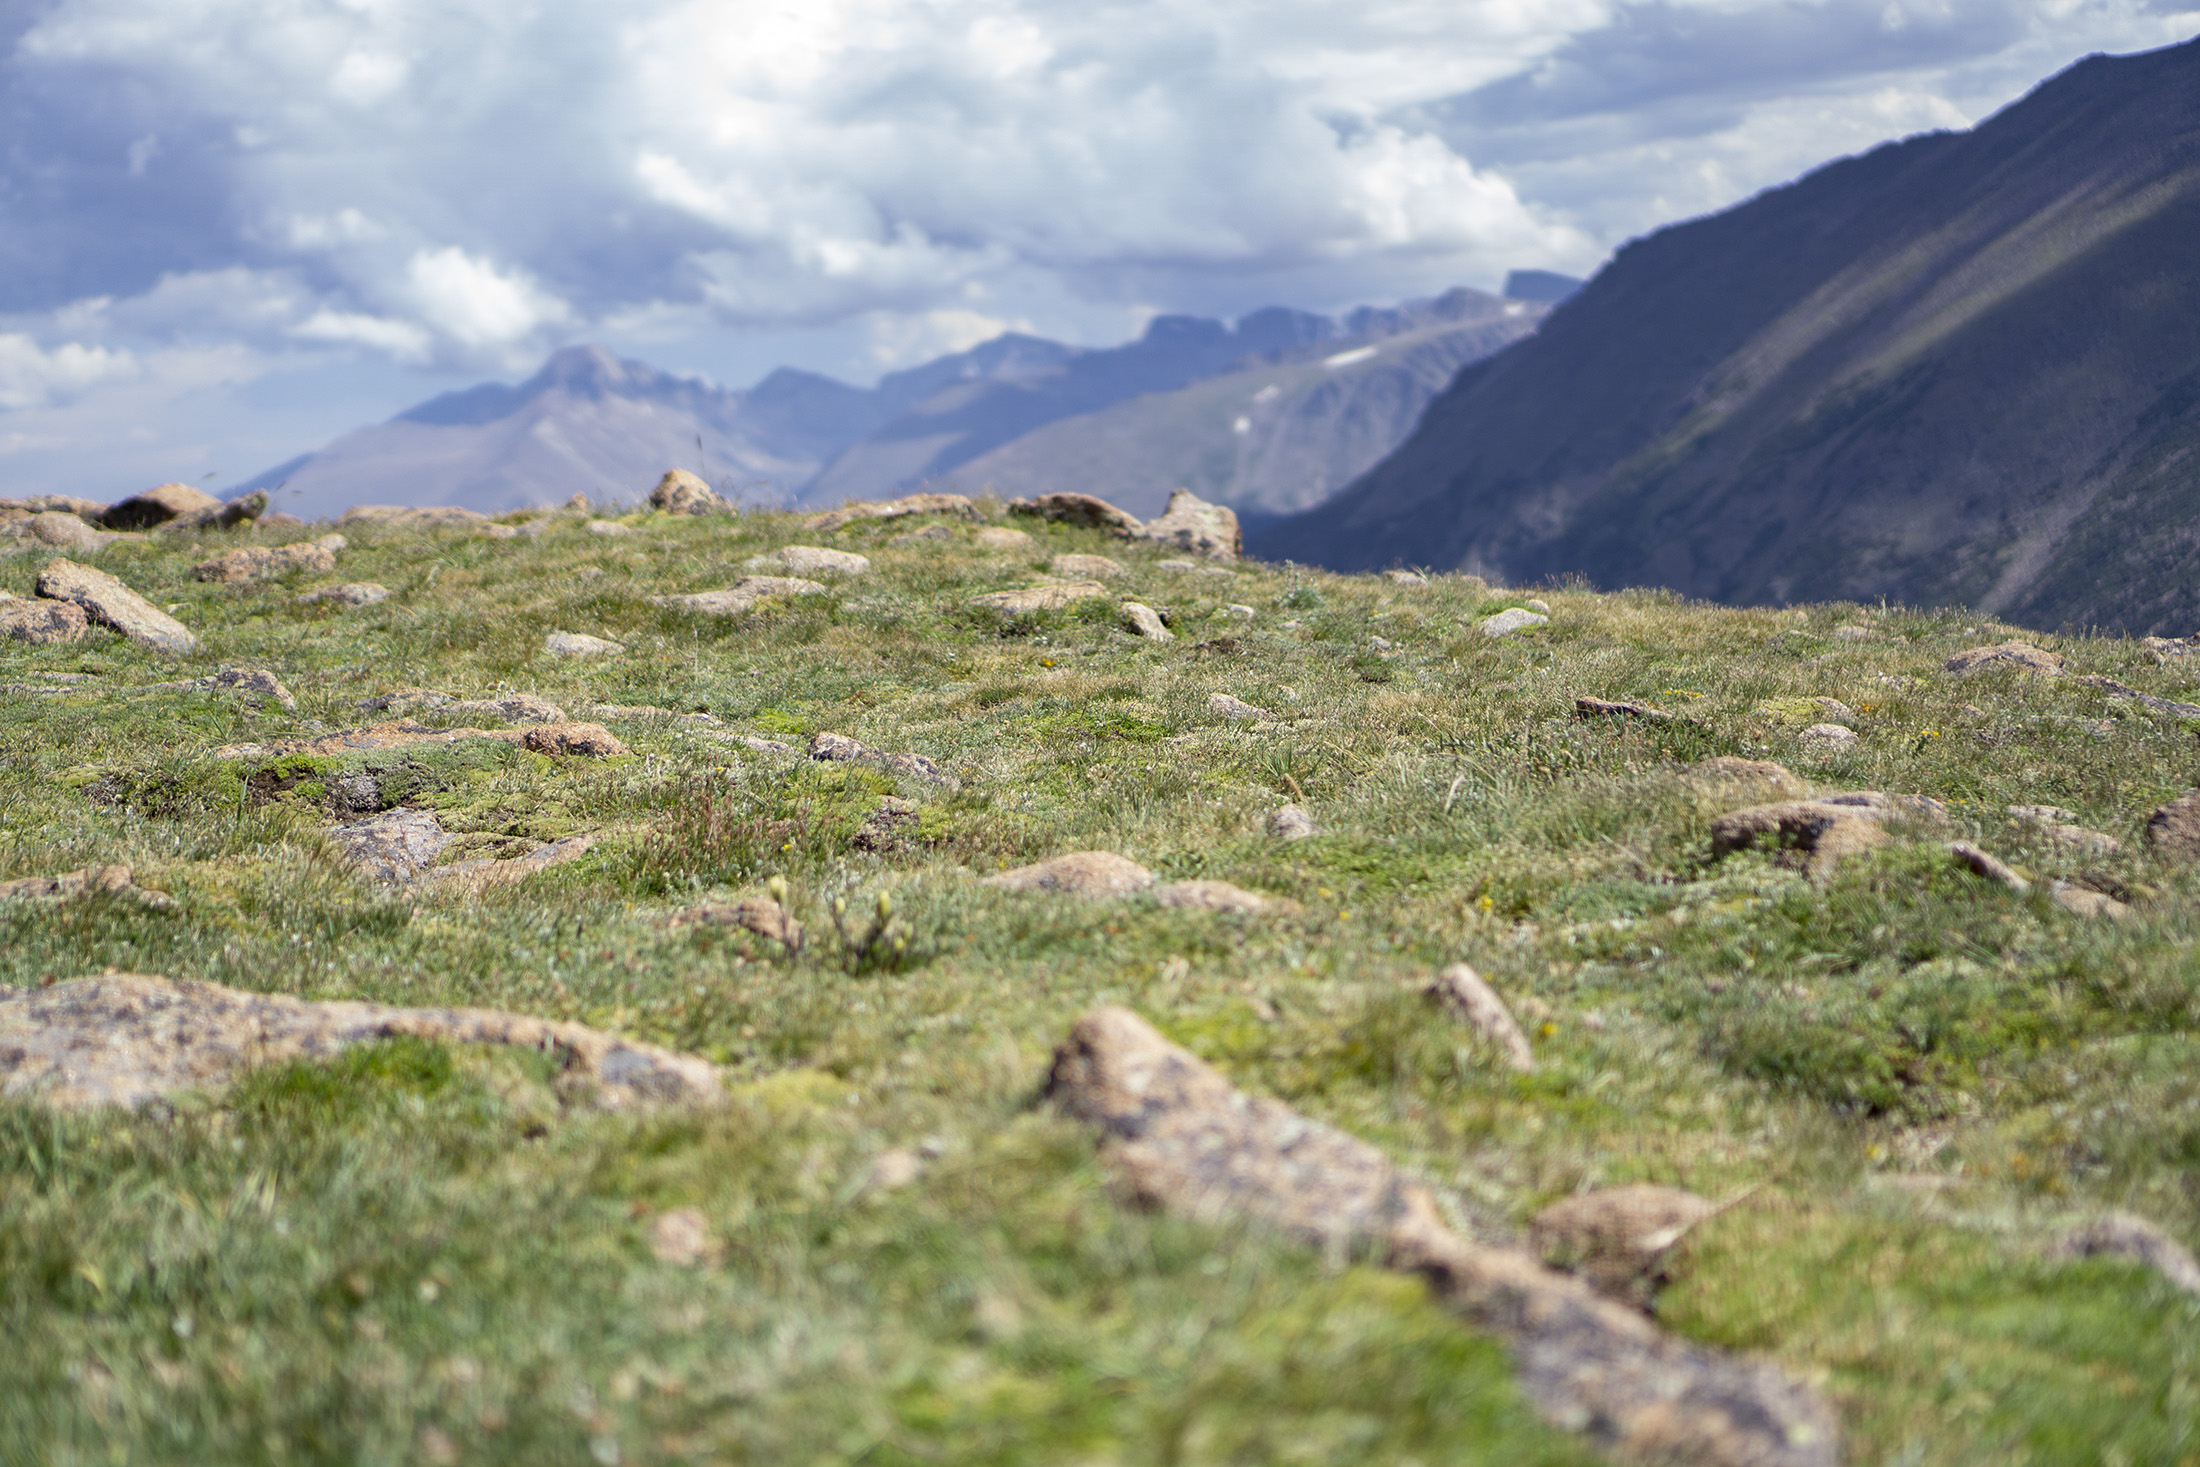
x: 1960, y: 368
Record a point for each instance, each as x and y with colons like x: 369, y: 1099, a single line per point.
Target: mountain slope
x: 1274, y: 437
x: 1958, y: 368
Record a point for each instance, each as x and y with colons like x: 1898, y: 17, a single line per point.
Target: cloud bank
x: 208, y: 193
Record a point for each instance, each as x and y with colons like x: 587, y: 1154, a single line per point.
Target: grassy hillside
x: 420, y: 1254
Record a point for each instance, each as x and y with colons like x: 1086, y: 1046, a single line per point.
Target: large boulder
x: 680, y: 492
x: 1082, y: 511
x: 112, y: 604
x: 1192, y: 524
x: 181, y: 507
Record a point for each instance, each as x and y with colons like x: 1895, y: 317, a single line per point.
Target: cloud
x: 33, y: 376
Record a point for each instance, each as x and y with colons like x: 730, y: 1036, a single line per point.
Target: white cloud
x: 32, y: 376
x: 899, y: 340
x: 399, y: 339
x: 476, y: 304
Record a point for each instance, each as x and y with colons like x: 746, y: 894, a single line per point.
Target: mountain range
x: 1962, y: 368
x: 1161, y: 412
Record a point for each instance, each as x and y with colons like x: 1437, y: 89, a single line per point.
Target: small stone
x: 740, y: 597
x: 682, y: 1236
x: 588, y: 740
x: 1405, y: 578
x: 839, y: 748
x: 1145, y: 621
x: 1994, y: 869
x: 1229, y: 706
x: 607, y: 527
x: 112, y: 604
x: 1192, y: 524
x: 264, y: 562
x: 1606, y: 708
x: 680, y: 492
x: 350, y: 596
x: 580, y: 644
x: 890, y: 509
x: 1214, y: 896
x: 1086, y: 567
x: 1618, y: 1238
x: 2020, y: 655
x: 1469, y: 999
x: 41, y: 623
x: 999, y: 537
x: 1039, y: 598
x: 1080, y: 873
x: 1505, y: 623
x: 125, y: 1038
x: 1082, y: 511
x: 1826, y: 736
x: 1291, y: 822
x: 812, y: 560
x: 2173, y: 830
x: 2125, y: 1235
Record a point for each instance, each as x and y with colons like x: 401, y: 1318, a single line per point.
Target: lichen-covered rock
x: 2022, y: 656
x: 126, y: 1038
x: 1039, y: 598
x: 1193, y: 525
x: 680, y: 492
x: 1080, y: 873
x: 1181, y: 1137
x: 41, y: 623
x: 1083, y: 567
x: 112, y: 604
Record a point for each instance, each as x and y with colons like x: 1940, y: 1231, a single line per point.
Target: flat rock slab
x: 113, y: 880
x: 890, y: 509
x: 580, y: 644
x: 41, y: 623
x: 812, y: 560
x: 2022, y: 656
x: 1218, y: 896
x: 110, y: 603
x: 127, y: 1038
x: 264, y: 562
x: 256, y: 683
x: 741, y: 596
x: 1080, y: 873
x: 1039, y: 598
x: 839, y: 748
x: 1083, y: 511
x: 1183, y: 1139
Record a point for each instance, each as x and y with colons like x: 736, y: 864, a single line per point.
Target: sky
x: 233, y: 229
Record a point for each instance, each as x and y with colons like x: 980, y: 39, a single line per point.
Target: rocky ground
x: 937, y: 983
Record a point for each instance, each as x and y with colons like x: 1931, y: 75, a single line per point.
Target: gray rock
x: 1513, y: 619
x: 1229, y: 705
x: 1473, y: 1002
x: 1291, y: 822
x: 112, y: 604
x: 1192, y: 524
x: 1039, y: 598
x: 2022, y: 656
x: 1826, y: 736
x: 839, y: 748
x: 1085, y: 567
x: 812, y: 560
x: 41, y: 623
x: 2125, y: 1235
x: 393, y: 846
x: 680, y: 492
x: 740, y: 597
x: 580, y: 644
x: 1145, y: 621
x: 264, y: 562
x: 351, y: 596
x: 1080, y: 873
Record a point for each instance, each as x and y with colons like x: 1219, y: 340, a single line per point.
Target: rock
x: 935, y: 535
x: 1084, y: 567
x: 163, y: 504
x: 578, y: 503
x: 2054, y: 824
x: 680, y: 492
x: 1726, y: 769
x: 2161, y: 649
x: 1405, y: 578
x: 1469, y: 999
x: 1618, y: 1239
x: 2124, y: 1235
x: 491, y: 871
x: 112, y: 604
x: 606, y: 527
x: 2170, y: 706
x: 1983, y: 863
x: 580, y: 644
x: 812, y: 560
x: 280, y: 521
x: 1146, y: 622
x: 1079, y: 510
x: 125, y: 1039
x: 2020, y: 655
x: 1182, y: 1138
x: 1000, y: 538
x: 648, y: 711
x: 1819, y: 833
x: 2082, y: 901
x: 351, y: 596
x: 1192, y: 524
x: 1215, y: 896
x: 1826, y: 736
x: 246, y: 682
x: 41, y: 623
x: 394, y: 846
x: 1242, y: 613
x: 840, y: 748
x: 1039, y: 598
x: 588, y: 740
x: 1230, y: 706
x: 890, y: 509
x: 891, y: 1170
x: 2173, y: 830
x: 886, y: 829
x: 1605, y: 708
x: 761, y: 915
x: 511, y: 707
x: 1291, y: 822
x: 766, y: 746
x: 66, y: 532
x: 1505, y: 623
x: 112, y: 880
x: 414, y: 517
x: 680, y: 1237
x: 1534, y: 603
x: 263, y: 562
x: 1853, y: 634
x: 741, y: 596
x: 1080, y: 873
x: 87, y: 510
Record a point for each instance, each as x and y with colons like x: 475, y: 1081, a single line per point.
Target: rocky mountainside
x: 1274, y: 435
x: 1964, y: 368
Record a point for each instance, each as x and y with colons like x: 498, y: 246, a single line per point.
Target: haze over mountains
x: 1139, y: 419
x: 1960, y: 368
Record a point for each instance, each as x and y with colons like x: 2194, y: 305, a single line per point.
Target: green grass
x: 417, y: 1254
